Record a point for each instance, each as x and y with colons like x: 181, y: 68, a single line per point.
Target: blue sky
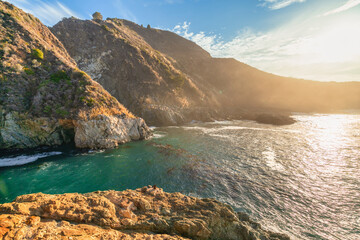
x: 311, y: 39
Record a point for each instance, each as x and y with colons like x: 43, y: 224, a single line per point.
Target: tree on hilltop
x: 97, y: 16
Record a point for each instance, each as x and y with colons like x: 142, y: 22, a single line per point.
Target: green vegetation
x: 2, y: 53
x: 37, y: 54
x: 47, y: 109
x: 97, y: 16
x: 29, y: 71
x: 62, y: 112
x: 3, y: 78
x: 106, y: 28
x: 178, y: 80
x: 90, y: 102
x: 60, y: 75
x: 44, y: 83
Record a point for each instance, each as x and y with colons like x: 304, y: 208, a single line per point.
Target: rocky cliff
x: 146, y: 213
x: 139, y: 67
x: 46, y: 100
x: 146, y: 81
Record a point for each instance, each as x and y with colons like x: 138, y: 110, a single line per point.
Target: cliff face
x: 146, y: 213
x: 142, y: 78
x: 130, y: 60
x: 44, y: 98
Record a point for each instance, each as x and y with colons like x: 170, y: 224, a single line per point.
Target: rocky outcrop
x: 18, y: 131
x: 146, y: 213
x: 45, y: 99
x: 109, y: 131
x: 269, y: 118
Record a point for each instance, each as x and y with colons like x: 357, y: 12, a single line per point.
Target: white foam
x: 222, y: 136
x: 225, y: 122
x: 257, y: 129
x: 158, y: 135
x: 24, y: 159
x: 203, y: 129
x: 96, y: 151
x: 270, y: 157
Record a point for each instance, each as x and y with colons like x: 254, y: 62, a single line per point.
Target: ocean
x: 301, y: 179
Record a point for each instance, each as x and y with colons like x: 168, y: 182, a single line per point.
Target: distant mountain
x: 45, y: 99
x: 167, y: 79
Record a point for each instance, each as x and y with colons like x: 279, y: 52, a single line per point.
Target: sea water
x: 302, y: 179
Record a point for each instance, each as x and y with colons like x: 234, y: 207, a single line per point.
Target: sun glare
x: 336, y: 43
x: 330, y: 131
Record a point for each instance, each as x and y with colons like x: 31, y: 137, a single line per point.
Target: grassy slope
x: 38, y: 77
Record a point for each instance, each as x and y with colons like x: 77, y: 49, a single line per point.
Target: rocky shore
x: 146, y: 213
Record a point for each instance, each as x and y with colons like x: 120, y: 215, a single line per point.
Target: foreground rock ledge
x: 146, y: 213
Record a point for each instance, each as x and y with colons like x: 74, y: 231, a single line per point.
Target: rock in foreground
x: 146, y: 213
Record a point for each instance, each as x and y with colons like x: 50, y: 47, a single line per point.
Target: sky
x: 309, y: 39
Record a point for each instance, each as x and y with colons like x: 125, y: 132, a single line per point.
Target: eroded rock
x: 109, y: 131
x: 146, y: 213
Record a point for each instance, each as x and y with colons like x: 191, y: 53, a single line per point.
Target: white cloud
x: 348, y: 5
x: 278, y: 4
x: 48, y: 13
x: 313, y: 49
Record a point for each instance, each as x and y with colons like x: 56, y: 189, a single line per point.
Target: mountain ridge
x: 227, y: 88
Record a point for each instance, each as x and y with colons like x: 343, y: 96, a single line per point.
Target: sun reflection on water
x: 329, y: 139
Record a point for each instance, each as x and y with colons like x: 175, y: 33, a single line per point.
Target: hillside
x: 145, y: 80
x: 248, y: 87
x: 130, y: 60
x: 45, y: 99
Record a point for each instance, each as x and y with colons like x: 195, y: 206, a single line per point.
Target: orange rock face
x: 146, y: 213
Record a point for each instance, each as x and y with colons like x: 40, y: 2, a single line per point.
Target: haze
x: 308, y: 39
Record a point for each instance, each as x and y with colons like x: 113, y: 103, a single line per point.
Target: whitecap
x: 203, y: 129
x: 221, y: 136
x: 224, y: 122
x: 158, y: 135
x: 96, y: 151
x: 24, y: 159
x: 270, y: 157
x: 256, y: 129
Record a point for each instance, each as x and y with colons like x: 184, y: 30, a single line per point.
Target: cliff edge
x: 45, y: 99
x: 146, y: 213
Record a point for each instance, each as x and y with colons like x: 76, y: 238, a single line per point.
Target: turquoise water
x: 302, y: 179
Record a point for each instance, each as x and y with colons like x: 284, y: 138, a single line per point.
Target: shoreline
x: 147, y: 212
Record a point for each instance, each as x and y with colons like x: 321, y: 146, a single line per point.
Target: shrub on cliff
x: 29, y: 71
x: 60, y: 75
x: 37, y: 54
